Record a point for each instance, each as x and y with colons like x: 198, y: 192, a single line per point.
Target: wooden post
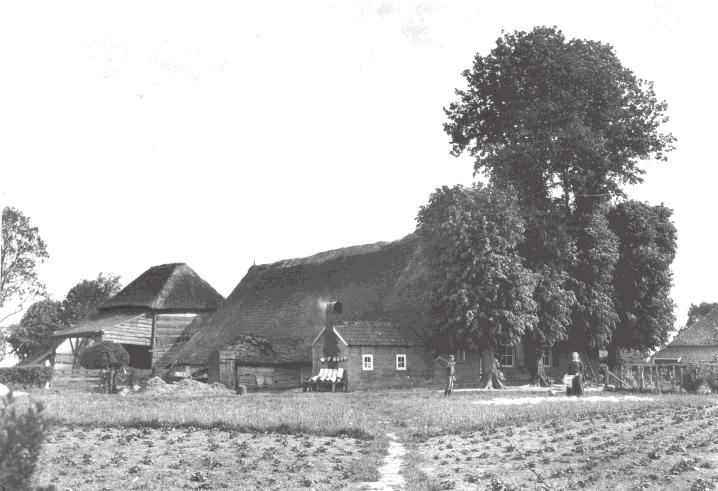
x: 673, y: 378
x: 680, y: 374
x: 657, y: 380
x: 640, y: 376
x: 605, y: 377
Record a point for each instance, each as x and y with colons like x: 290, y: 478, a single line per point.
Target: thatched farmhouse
x: 696, y: 345
x: 279, y: 323
x: 284, y: 303
x: 151, y: 317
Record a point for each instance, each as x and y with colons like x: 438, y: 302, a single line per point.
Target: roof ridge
x: 167, y: 284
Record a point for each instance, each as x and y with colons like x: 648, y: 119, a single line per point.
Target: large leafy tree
x: 695, y: 312
x: 642, y: 278
x: 481, y: 294
x: 83, y: 299
x: 565, y: 125
x: 22, y: 251
x: 33, y: 335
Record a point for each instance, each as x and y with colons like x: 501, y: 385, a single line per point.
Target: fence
x: 648, y: 376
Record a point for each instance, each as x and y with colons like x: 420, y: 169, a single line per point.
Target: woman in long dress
x: 575, y: 368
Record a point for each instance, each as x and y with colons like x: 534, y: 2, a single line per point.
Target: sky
x: 226, y: 133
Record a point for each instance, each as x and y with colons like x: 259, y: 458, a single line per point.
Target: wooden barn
x: 696, y: 345
x: 151, y: 317
x: 382, y: 288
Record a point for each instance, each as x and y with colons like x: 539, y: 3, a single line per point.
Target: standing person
x: 450, y: 372
x: 575, y: 369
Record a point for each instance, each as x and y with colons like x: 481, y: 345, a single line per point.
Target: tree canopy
x: 22, y: 251
x: 33, y: 335
x: 563, y: 125
x: 695, y: 312
x: 481, y: 294
x: 546, y: 113
x: 83, y: 299
x: 642, y: 277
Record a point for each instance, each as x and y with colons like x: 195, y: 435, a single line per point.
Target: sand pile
x: 156, y: 385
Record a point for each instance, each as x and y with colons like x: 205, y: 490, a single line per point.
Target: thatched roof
x: 258, y: 350
x: 703, y: 333
x: 168, y: 287
x: 286, y: 299
x: 376, y: 333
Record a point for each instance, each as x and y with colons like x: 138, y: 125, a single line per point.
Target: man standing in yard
x: 450, y: 372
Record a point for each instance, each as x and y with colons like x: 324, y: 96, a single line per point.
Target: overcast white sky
x: 217, y: 134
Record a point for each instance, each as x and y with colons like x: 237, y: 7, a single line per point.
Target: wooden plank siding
x: 76, y: 380
x: 169, y: 333
x: 136, y: 331
x: 271, y: 377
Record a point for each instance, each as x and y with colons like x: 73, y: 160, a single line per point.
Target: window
x: 401, y: 362
x: 367, y: 362
x: 461, y: 355
x: 546, y: 356
x: 506, y: 355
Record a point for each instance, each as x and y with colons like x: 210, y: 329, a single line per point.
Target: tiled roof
x: 703, y: 333
x: 688, y: 354
x: 168, y: 287
x: 368, y: 333
x: 286, y: 299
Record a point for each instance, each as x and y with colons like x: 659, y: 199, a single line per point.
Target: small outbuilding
x: 260, y: 362
x: 696, y: 345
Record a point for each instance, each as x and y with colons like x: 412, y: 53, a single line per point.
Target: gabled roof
x: 703, y: 333
x: 687, y: 354
x: 167, y: 287
x: 285, y: 299
x: 375, y: 333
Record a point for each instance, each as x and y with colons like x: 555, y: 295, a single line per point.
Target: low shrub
x: 695, y: 376
x: 692, y: 379
x: 22, y: 430
x: 711, y: 378
x: 26, y: 376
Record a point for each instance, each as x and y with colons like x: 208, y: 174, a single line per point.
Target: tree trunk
x: 533, y: 356
x: 489, y: 372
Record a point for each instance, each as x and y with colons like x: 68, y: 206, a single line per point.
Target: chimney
x: 333, y: 314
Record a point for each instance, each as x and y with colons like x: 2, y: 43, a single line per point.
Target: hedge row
x: 27, y: 376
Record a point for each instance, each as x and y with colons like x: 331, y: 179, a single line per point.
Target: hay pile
x: 104, y: 354
x: 188, y: 387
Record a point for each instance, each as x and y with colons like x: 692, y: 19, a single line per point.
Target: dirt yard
x: 650, y: 449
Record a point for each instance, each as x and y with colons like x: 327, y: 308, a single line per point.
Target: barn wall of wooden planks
x: 169, y: 333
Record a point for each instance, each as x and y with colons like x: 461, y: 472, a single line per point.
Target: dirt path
x: 390, y: 477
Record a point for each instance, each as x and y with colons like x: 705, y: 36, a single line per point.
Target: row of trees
x: 23, y: 250
x: 550, y: 250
